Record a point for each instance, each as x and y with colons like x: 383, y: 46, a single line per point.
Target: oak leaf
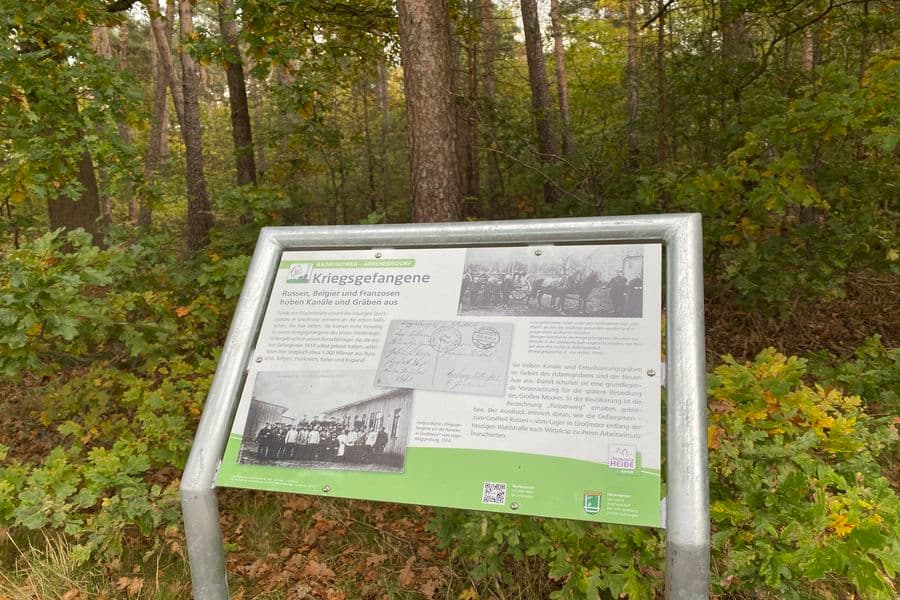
x: 130, y: 585
x: 317, y: 570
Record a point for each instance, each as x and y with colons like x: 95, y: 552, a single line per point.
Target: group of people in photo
x: 326, y: 441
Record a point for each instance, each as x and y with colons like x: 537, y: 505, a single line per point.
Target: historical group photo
x: 570, y: 281
x: 333, y: 420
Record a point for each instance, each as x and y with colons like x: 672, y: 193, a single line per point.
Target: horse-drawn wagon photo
x: 569, y: 281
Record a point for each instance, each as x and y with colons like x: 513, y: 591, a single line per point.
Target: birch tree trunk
x: 428, y: 82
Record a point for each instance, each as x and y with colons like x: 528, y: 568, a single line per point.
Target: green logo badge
x: 592, y: 502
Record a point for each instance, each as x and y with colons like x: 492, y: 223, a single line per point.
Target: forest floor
x: 290, y: 546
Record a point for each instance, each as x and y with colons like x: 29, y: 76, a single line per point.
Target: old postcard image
x: 449, y: 356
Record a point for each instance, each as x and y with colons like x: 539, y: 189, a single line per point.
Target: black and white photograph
x: 326, y: 420
x: 568, y: 281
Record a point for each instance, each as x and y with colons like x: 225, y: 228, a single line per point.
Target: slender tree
x: 241, y: 132
x: 199, y: 213
x: 157, y: 139
x: 562, y: 83
x: 381, y: 98
x: 548, y: 148
x: 632, y: 84
x: 489, y: 37
x: 428, y: 82
x: 662, y: 110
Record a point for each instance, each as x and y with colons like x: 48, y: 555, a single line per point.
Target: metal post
x: 687, y: 481
x: 687, y: 521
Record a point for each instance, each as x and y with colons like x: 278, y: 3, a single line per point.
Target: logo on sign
x: 300, y: 273
x: 622, y: 457
x: 592, y: 502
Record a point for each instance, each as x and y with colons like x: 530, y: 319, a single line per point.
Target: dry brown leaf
x: 130, y: 585
x: 375, y: 560
x: 335, y: 595
x: 429, y: 588
x: 406, y: 574
x: 73, y: 594
x: 425, y: 553
x: 317, y: 570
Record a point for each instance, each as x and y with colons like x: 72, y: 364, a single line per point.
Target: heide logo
x: 622, y: 457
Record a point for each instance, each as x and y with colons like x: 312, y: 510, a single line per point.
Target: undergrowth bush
x: 122, y: 419
x: 799, y: 506
x: 873, y: 373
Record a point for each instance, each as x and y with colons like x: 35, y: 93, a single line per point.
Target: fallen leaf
x: 317, y: 570
x: 468, y: 594
x: 375, y: 560
x: 182, y: 311
x: 130, y: 585
x: 429, y: 588
x: 406, y: 574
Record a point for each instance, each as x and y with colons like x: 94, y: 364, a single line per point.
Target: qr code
x: 494, y: 493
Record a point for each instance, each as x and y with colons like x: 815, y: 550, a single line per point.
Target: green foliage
x: 798, y: 504
x: 786, y: 216
x: 151, y: 325
x: 797, y: 495
x: 873, y: 374
x: 56, y: 89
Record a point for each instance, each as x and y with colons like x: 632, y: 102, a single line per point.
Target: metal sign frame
x: 687, y: 485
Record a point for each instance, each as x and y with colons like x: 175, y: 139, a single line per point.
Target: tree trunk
x: 261, y: 163
x: 84, y: 211
x: 157, y: 139
x: 632, y: 84
x: 662, y: 138
x: 494, y: 179
x: 428, y: 82
x: 169, y: 29
x: 121, y: 124
x: 370, y: 153
x: 165, y: 57
x: 381, y: 98
x: 548, y: 150
x: 562, y: 84
x: 199, y: 214
x: 101, y: 46
x: 237, y: 96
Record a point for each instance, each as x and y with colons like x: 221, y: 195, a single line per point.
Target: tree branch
x: 662, y: 11
x: 119, y: 5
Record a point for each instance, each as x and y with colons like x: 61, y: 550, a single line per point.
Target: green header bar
x: 403, y: 263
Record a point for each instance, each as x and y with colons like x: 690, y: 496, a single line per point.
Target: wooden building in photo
x: 261, y: 413
x: 391, y: 410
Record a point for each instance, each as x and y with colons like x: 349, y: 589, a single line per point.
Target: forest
x: 145, y: 143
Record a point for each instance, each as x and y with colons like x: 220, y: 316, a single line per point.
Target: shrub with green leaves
x: 799, y: 507
x: 873, y: 374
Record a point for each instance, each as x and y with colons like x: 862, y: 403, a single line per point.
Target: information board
x: 512, y: 379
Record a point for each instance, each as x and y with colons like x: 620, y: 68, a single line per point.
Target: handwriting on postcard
x: 449, y: 356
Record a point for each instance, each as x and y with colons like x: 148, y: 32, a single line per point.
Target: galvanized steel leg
x: 687, y: 480
x: 206, y: 551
